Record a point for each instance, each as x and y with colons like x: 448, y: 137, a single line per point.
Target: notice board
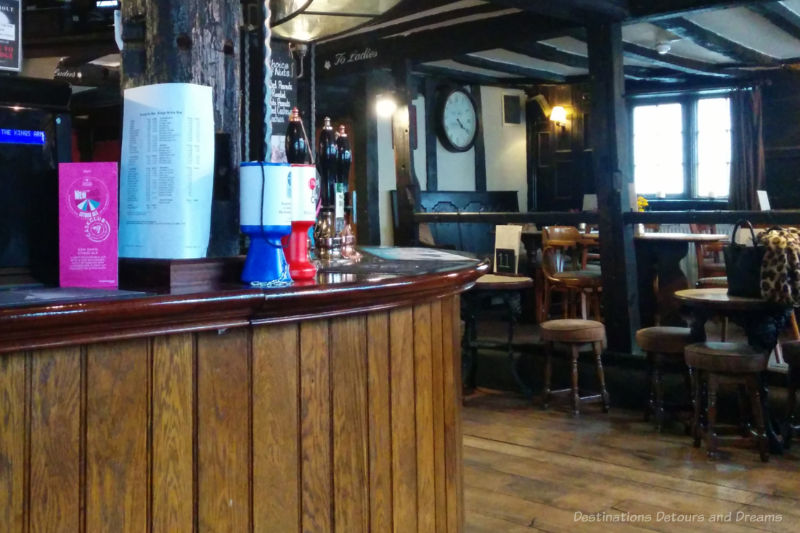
x: 10, y: 35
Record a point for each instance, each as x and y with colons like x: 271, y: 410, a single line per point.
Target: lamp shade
x: 311, y: 20
x: 558, y: 115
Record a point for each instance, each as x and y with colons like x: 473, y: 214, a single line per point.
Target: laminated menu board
x: 87, y: 225
x: 167, y: 171
x: 10, y: 35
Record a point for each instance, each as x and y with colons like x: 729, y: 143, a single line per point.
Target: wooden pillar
x: 611, y: 161
x: 194, y: 41
x: 408, y: 189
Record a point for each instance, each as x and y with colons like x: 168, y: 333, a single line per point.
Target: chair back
x: 709, y: 255
x: 559, y: 243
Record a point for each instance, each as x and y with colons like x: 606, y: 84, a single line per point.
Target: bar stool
x: 717, y: 363
x: 791, y: 354
x: 664, y: 348
x: 574, y: 332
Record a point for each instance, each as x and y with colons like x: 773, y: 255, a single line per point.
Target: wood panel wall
x: 346, y: 424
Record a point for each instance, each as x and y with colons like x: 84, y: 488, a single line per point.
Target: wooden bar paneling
x: 223, y: 432
x: 380, y: 422
x: 173, y: 426
x: 12, y: 442
x: 348, y: 355
x: 55, y: 440
x: 116, y: 439
x: 404, y: 439
x: 451, y: 324
x: 276, y: 430
x: 315, y: 423
x: 437, y: 342
x: 349, y: 424
x: 423, y: 387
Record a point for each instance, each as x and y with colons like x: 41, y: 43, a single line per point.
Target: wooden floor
x: 532, y: 470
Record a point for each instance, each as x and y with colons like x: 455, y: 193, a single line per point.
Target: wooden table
x: 508, y: 288
x: 762, y: 321
x: 658, y: 257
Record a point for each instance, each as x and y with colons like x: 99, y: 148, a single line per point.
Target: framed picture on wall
x: 11, y: 35
x: 512, y: 109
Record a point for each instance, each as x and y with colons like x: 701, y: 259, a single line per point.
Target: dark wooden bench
x: 473, y: 237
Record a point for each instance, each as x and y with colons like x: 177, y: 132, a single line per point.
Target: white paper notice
x: 167, y: 171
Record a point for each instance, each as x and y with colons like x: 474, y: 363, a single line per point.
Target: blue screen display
x: 9, y: 136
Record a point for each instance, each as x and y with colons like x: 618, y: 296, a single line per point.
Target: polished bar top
x: 383, y: 278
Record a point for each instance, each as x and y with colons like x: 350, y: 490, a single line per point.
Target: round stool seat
x: 791, y: 353
x: 663, y: 339
x: 579, y: 278
x: 726, y: 357
x: 573, y: 330
x: 715, y: 282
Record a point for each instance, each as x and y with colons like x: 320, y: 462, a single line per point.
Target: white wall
x: 387, y: 180
x: 506, y: 152
x: 505, y: 144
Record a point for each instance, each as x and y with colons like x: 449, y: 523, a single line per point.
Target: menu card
x: 87, y: 225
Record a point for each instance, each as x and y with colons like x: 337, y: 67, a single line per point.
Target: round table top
x: 719, y: 299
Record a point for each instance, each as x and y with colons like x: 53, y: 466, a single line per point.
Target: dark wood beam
x: 579, y: 11
x: 508, y: 68
x: 681, y: 64
x: 408, y: 189
x: 431, y: 162
x: 650, y: 10
x: 362, y: 53
x: 614, y: 184
x: 480, y: 146
x: 715, y: 42
x: 781, y: 16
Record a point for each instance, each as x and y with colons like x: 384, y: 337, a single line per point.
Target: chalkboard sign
x: 10, y: 35
x: 283, y: 98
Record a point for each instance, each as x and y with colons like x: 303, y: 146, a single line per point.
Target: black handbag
x: 743, y: 264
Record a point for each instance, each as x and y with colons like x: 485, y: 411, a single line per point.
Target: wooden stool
x: 791, y: 354
x: 574, y: 332
x: 664, y: 348
x: 718, y: 363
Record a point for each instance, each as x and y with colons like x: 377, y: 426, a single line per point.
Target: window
x: 682, y: 147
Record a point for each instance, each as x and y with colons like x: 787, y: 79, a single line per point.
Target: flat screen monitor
x: 28, y: 191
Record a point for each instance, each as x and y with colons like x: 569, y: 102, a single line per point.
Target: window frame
x: 688, y: 102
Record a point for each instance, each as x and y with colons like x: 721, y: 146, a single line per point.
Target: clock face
x: 459, y: 121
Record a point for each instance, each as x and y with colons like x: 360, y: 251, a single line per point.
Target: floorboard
x: 527, y: 469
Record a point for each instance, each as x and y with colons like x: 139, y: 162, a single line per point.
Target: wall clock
x: 457, y: 120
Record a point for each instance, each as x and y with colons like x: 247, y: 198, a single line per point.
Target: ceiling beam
x: 715, y: 42
x: 682, y: 64
x: 650, y: 10
x: 508, y: 68
x: 579, y: 11
x: 781, y: 16
x: 549, y: 53
x: 457, y: 75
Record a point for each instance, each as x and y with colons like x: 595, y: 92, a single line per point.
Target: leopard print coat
x: 780, y: 268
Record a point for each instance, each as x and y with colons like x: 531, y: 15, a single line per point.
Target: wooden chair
x: 574, y: 333
x: 791, y: 354
x: 560, y: 267
x: 664, y: 347
x: 710, y: 263
x: 725, y: 363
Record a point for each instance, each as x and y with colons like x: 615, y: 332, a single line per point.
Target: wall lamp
x: 559, y: 115
x: 385, y: 105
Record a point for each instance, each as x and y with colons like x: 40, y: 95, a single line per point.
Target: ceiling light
x: 385, y: 105
x: 663, y: 47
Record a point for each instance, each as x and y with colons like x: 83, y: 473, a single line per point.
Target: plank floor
x: 532, y: 470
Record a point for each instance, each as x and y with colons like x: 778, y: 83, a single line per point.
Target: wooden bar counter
x: 333, y: 406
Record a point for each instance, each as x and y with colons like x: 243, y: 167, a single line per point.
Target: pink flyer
x: 87, y: 228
